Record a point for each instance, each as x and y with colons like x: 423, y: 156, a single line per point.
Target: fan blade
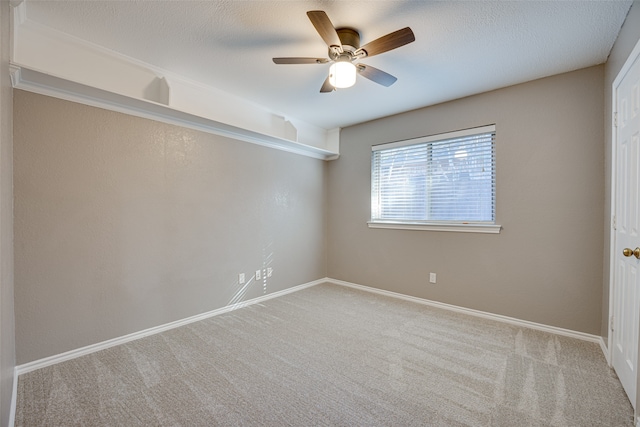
x: 325, y: 28
x: 386, y: 43
x: 327, y: 87
x: 300, y: 60
x: 375, y: 75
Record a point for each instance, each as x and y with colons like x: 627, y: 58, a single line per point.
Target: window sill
x: 460, y: 228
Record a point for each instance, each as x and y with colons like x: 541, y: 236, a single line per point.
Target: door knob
x: 628, y: 252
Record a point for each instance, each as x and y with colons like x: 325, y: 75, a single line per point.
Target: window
x: 444, y: 181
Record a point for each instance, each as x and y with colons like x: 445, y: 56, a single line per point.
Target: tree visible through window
x: 444, y: 178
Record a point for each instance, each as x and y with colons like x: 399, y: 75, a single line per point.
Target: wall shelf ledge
x: 32, y: 80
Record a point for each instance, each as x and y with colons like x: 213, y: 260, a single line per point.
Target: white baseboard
x: 497, y: 317
x: 52, y: 360
x: 14, y: 398
x: 605, y: 350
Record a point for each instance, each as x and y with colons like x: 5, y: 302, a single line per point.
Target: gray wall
x: 124, y: 223
x: 7, y: 343
x: 546, y: 265
x: 627, y: 39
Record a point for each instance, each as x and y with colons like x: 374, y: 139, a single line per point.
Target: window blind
x: 443, y: 178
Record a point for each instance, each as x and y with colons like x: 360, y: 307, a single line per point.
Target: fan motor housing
x: 349, y: 38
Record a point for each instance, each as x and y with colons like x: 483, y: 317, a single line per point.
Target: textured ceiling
x: 461, y: 47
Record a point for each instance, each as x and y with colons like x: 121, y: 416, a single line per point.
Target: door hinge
x: 614, y: 223
x: 615, y: 119
x: 611, y: 323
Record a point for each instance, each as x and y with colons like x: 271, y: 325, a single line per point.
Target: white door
x: 626, y: 315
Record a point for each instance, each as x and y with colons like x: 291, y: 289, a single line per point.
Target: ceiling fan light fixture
x: 342, y: 74
x: 344, y: 49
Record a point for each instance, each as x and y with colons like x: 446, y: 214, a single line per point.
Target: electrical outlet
x: 241, y: 278
x: 258, y: 274
x: 432, y: 277
x: 269, y: 271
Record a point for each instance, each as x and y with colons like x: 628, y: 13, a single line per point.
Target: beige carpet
x: 330, y: 355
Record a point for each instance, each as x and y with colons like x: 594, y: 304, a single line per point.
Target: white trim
x: 483, y: 314
x: 20, y: 13
x: 605, y: 351
x: 635, y: 53
x: 14, y: 399
x: 438, y: 137
x: 18, y: 17
x: 461, y: 228
x: 612, y: 218
x: 58, y: 358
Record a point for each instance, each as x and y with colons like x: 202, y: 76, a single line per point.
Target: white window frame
x: 456, y: 226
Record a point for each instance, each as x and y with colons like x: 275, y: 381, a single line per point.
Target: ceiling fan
x: 344, y: 50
